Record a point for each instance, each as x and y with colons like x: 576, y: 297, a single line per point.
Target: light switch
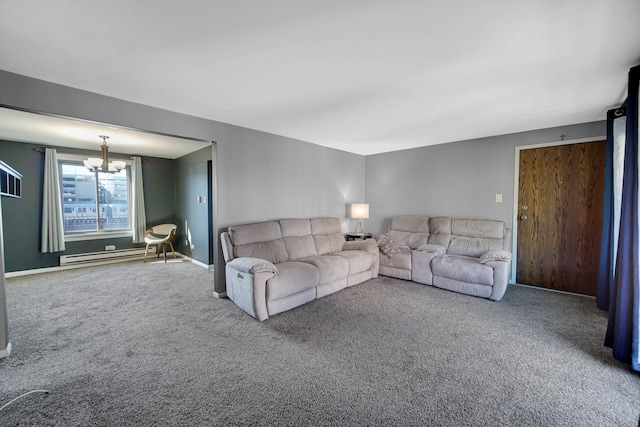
x: 498, y: 198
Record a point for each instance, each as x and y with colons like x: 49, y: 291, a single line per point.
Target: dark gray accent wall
x: 22, y: 217
x: 257, y: 175
x: 193, y: 205
x: 159, y: 190
x: 457, y: 179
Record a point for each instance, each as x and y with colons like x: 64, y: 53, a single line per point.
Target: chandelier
x: 97, y: 164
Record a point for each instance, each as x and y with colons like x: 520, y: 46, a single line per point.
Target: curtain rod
x: 622, y: 109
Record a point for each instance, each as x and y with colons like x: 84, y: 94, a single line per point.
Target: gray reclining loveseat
x: 275, y: 266
x: 470, y: 256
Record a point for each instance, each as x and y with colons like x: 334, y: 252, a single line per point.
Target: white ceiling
x: 47, y: 130
x: 363, y: 76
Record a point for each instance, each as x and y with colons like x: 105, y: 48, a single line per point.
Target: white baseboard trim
x: 65, y: 267
x: 220, y: 295
x: 196, y: 262
x: 6, y: 352
x: 540, y: 288
x: 92, y: 264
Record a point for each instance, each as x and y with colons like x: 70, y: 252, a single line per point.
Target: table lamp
x: 359, y: 211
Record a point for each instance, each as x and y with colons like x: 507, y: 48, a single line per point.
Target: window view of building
x: 94, y: 201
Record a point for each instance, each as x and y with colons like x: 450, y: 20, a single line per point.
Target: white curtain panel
x: 52, y: 226
x: 139, y: 221
x: 619, y: 133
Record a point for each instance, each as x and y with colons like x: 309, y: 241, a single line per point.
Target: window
x: 94, y: 203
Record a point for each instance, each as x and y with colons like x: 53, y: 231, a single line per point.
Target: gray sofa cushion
x: 299, y: 247
x: 296, y: 235
x: 331, y: 268
x: 462, y: 268
x: 273, y: 251
x: 475, y: 237
x: 359, y: 261
x: 327, y: 235
x: 440, y: 227
x: 253, y: 233
x: 410, y: 230
x: 411, y: 223
x: 399, y: 260
x: 472, y: 246
x: 259, y: 240
x: 295, y: 227
x: 478, y: 228
x: 293, y: 277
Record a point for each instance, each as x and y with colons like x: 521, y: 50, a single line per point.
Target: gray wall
x: 325, y: 180
x: 457, y: 179
x: 264, y: 176
x: 192, y: 215
x: 22, y: 217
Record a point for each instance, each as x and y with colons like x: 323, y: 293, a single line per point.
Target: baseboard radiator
x: 104, y: 256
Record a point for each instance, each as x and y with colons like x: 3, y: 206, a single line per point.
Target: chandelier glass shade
x: 102, y: 164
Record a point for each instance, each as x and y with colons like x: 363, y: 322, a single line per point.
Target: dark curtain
x: 612, y: 203
x: 607, y: 261
x: 624, y: 292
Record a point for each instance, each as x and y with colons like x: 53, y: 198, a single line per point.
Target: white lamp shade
x: 117, y: 165
x: 93, y: 162
x: 360, y: 210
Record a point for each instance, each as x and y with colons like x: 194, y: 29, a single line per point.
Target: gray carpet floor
x: 148, y: 344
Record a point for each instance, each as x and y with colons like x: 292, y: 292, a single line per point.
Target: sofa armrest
x: 500, y: 261
x: 253, y: 265
x: 501, y: 270
x: 495, y: 255
x: 369, y: 245
x: 436, y: 249
x: 247, y: 284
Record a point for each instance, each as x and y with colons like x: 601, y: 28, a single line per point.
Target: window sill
x: 96, y: 236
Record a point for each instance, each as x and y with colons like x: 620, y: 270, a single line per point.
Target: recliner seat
x: 469, y: 256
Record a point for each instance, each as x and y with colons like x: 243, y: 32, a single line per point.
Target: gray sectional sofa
x: 470, y: 256
x: 274, y: 266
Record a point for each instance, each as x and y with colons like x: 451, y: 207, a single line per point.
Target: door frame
x: 516, y: 187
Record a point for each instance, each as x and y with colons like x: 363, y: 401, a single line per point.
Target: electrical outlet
x: 193, y: 246
x: 498, y: 198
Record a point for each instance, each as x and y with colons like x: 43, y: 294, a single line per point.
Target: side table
x: 358, y: 236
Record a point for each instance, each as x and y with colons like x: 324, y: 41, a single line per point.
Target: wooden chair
x: 160, y: 235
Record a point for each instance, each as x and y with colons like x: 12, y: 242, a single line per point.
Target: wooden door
x: 560, y: 216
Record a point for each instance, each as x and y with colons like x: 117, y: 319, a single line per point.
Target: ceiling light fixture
x: 97, y: 164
